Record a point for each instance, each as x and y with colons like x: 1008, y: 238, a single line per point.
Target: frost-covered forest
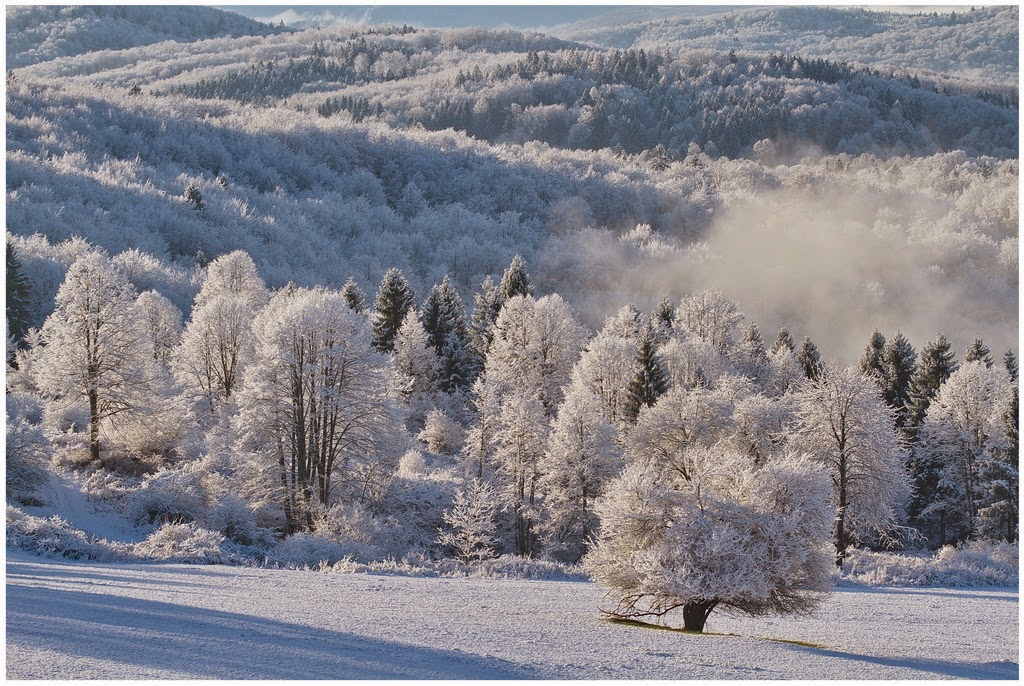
x: 704, y: 323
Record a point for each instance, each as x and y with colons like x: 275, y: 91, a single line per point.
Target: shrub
x: 168, y: 496
x: 28, y: 458
x: 977, y: 563
x: 185, y: 543
x: 54, y: 537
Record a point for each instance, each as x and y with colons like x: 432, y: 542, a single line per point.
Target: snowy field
x: 73, y: 620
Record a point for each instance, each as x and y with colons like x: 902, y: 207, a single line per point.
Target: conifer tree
x: 809, y: 359
x: 899, y: 365
x: 784, y: 340
x: 354, y: 296
x: 664, y: 316
x: 515, y: 280
x: 394, y: 300
x: 937, y: 363
x: 871, y: 359
x: 17, y: 298
x: 978, y: 352
x: 651, y: 381
x: 444, y: 320
x: 1010, y: 361
x: 487, y: 304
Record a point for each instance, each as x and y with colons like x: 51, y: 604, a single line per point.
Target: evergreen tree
x: 999, y: 516
x: 394, y: 300
x: 515, y: 280
x: 445, y: 323
x: 752, y: 345
x: 978, y: 352
x: 487, y: 304
x: 784, y: 340
x: 871, y: 359
x: 664, y: 318
x: 17, y: 297
x: 899, y: 365
x: 354, y: 296
x: 810, y: 359
x: 651, y: 381
x: 1010, y: 360
x: 937, y: 363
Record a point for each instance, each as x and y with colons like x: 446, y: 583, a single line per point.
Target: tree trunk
x: 94, y: 426
x: 695, y: 615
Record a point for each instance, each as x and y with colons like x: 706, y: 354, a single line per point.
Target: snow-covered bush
x: 109, y: 489
x: 54, y: 537
x: 977, y: 563
x: 171, y: 495
x: 234, y: 518
x: 442, y: 434
x: 28, y: 457
x: 307, y: 550
x: 411, y: 464
x: 186, y: 543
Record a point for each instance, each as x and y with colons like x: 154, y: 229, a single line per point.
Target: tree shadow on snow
x: 143, y: 634
x: 956, y: 670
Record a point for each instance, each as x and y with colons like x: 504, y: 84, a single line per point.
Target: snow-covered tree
x: 17, y: 298
x: 217, y: 343
x: 844, y: 425
x: 515, y: 281
x: 519, y: 441
x: 416, y: 364
x: 487, y: 304
x: 442, y: 434
x: 710, y: 317
x: 472, y: 522
x: 581, y: 457
x: 94, y: 346
x: 650, y: 381
x: 354, y: 295
x: 714, y: 532
x: 162, y: 321
x: 810, y: 359
x: 978, y: 352
x: 899, y: 365
x: 871, y: 359
x: 605, y: 369
x: 965, y: 433
x: 315, y: 402
x: 394, y: 300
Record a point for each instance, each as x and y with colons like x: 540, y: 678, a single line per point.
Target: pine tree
x: 809, y: 359
x: 487, y: 304
x: 1010, y: 361
x: 937, y: 363
x: 18, y: 320
x: 664, y: 318
x: 471, y: 519
x: 999, y: 516
x: 651, y: 381
x: 515, y: 280
x: 899, y: 365
x: 354, y: 296
x: 871, y: 359
x: 784, y: 340
x: 394, y: 300
x: 444, y: 320
x: 978, y: 352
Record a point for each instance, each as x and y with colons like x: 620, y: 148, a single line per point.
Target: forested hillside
x: 422, y: 295
x: 979, y: 44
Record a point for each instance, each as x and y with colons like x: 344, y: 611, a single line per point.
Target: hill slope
x: 41, y: 33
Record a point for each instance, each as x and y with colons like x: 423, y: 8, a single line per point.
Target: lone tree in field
x: 705, y: 530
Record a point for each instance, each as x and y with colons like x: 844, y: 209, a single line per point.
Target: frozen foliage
x: 968, y: 565
x: 185, y: 543
x: 471, y: 522
x: 37, y: 34
x: 27, y: 458
x: 708, y: 530
x: 54, y: 537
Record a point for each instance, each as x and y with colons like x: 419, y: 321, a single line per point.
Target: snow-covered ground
x: 74, y: 620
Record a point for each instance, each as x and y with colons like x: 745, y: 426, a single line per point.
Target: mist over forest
x: 714, y: 308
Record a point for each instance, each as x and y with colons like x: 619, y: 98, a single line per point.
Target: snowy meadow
x: 661, y: 344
